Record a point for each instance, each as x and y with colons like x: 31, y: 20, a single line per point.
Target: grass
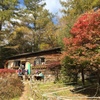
x: 15, y: 98
x: 59, y: 89
x: 54, y: 90
x: 50, y: 87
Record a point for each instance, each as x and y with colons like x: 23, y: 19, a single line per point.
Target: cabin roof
x: 38, y: 53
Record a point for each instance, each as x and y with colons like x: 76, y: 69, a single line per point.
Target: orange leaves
x: 67, y: 41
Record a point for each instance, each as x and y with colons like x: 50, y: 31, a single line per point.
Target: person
x: 19, y: 71
x: 41, y: 75
x: 23, y: 70
x: 37, y: 72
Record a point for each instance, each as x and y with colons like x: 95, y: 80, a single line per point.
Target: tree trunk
x: 57, y: 73
x: 76, y: 75
x: 98, y: 76
x: 82, y: 74
x: 0, y: 25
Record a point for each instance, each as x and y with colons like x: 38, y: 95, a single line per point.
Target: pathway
x: 26, y: 92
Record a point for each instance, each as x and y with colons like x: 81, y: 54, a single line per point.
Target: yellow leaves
x: 95, y: 2
x: 6, y: 7
x: 12, y: 36
x: 13, y: 47
x: 5, y: 15
x: 23, y: 29
x: 20, y: 34
x: 44, y: 46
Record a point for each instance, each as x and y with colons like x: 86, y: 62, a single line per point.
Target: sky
x: 52, y: 5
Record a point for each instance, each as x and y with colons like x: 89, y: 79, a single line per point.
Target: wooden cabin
x: 47, y: 61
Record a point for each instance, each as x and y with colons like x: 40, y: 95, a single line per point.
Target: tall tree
x: 50, y: 35
x: 84, y: 45
x: 19, y: 40
x: 6, y: 10
x: 71, y: 9
x: 36, y: 18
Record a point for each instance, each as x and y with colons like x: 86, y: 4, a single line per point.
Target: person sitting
x: 41, y: 75
x: 19, y: 71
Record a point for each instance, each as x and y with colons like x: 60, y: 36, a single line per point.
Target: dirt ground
x: 26, y: 92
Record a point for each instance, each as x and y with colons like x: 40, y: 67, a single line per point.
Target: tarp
x: 28, y: 67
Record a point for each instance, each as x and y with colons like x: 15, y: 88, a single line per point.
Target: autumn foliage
x: 7, y: 71
x: 84, y: 45
x: 85, y: 30
x: 85, y: 33
x: 10, y: 85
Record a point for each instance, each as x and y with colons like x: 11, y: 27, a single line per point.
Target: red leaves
x: 7, y: 71
x: 85, y: 30
x: 86, y: 23
x: 84, y: 43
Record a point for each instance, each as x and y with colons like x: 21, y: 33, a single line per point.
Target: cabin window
x: 23, y: 63
x: 17, y: 63
x: 39, y: 60
x: 42, y: 59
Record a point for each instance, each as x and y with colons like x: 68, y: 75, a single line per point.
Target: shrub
x: 10, y: 85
